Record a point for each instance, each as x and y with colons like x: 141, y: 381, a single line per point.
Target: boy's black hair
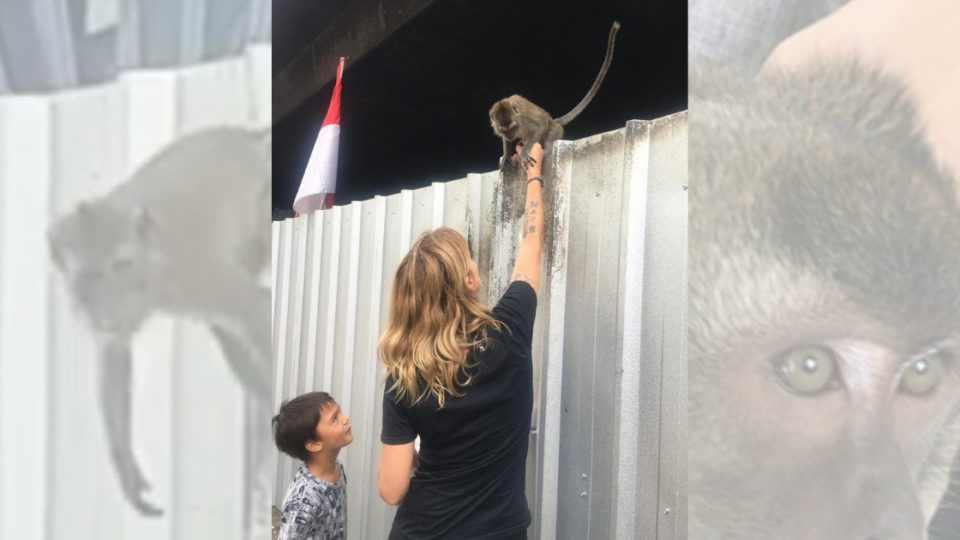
x: 296, y: 423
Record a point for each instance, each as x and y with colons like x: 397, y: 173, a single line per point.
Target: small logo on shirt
x: 482, y: 347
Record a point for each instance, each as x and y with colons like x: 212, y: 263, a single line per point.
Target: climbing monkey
x: 187, y: 234
x: 516, y: 117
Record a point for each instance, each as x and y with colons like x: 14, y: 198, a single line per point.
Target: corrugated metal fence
x: 57, y: 477
x: 607, y: 446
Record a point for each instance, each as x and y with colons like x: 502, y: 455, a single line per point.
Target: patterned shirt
x: 314, y: 509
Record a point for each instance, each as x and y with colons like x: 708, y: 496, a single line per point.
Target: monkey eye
x: 923, y: 373
x: 807, y: 370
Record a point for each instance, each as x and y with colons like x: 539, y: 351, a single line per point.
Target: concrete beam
x: 356, y: 30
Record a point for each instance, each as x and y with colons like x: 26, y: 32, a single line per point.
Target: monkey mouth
x: 509, y: 134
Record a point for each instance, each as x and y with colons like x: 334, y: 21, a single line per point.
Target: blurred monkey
x: 187, y: 234
x: 824, y: 319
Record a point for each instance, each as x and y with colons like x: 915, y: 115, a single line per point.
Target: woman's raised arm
x: 527, y: 267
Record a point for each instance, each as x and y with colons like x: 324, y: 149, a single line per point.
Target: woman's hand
x: 536, y: 152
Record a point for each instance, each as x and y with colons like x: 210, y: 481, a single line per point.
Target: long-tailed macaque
x: 516, y: 117
x: 187, y: 234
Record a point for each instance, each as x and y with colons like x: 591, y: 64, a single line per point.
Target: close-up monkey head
x: 104, y: 253
x: 503, y: 118
x: 824, y: 320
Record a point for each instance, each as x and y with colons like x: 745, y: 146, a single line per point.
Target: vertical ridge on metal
x: 285, y: 377
x: 667, y: 232
x: 551, y: 356
x: 374, y: 222
x: 629, y: 315
x: 25, y: 309
x: 350, y: 331
x: 299, y: 233
x: 315, y: 227
x: 331, y: 239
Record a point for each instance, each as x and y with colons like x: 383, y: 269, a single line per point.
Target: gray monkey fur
x: 813, y: 197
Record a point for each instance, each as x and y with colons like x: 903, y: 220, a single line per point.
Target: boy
x: 312, y: 428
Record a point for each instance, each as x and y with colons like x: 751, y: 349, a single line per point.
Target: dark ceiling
x: 296, y: 23
x: 414, y: 109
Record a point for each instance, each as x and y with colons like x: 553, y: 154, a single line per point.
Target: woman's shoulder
x: 516, y: 311
x: 521, y: 287
x: 519, y: 300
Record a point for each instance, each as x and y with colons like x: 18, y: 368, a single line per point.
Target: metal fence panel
x: 609, y: 353
x: 24, y: 309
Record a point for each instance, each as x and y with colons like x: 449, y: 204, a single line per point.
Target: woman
x: 459, y: 376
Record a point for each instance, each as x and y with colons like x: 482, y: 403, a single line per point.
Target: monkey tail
x: 567, y: 118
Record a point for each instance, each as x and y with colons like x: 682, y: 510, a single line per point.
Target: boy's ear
x: 313, y: 446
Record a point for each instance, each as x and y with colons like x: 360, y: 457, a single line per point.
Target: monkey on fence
x: 187, y: 234
x: 824, y: 320
x: 516, y: 118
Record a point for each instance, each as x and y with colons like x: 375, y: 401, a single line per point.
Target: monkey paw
x: 527, y: 161
x: 134, y: 484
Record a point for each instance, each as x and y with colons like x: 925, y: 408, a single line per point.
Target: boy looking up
x: 312, y: 428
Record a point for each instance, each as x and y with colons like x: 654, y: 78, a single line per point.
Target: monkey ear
x: 143, y: 224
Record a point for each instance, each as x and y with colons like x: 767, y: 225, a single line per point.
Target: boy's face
x: 333, y: 429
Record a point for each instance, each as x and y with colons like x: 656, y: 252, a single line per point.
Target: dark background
x: 414, y: 109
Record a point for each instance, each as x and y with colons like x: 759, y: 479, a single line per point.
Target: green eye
x: 807, y: 370
x: 923, y: 373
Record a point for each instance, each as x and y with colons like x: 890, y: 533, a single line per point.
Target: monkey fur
x: 818, y: 221
x: 516, y: 117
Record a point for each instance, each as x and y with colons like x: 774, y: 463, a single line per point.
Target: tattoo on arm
x: 520, y: 276
x: 529, y: 226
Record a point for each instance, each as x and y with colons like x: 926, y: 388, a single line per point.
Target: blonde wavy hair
x: 433, y: 318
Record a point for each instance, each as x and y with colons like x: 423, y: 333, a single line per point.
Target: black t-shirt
x: 470, y: 484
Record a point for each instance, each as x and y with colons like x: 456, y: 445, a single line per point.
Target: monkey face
x: 105, y: 256
x: 503, y: 119
x: 508, y: 132
x: 825, y: 426
x: 824, y: 314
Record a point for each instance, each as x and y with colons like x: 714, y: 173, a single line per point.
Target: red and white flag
x: 320, y: 178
